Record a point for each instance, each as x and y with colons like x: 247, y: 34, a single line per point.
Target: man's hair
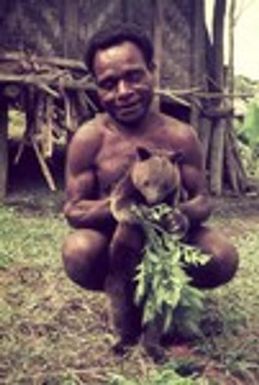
x: 116, y: 34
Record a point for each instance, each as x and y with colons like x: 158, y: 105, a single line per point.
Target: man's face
x: 125, y: 83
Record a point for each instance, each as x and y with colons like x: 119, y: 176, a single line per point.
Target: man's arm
x: 83, y: 208
x: 198, y: 206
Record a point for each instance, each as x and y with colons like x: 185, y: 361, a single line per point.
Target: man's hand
x: 175, y: 222
x: 123, y: 211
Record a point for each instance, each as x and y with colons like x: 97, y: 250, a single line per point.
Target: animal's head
x: 156, y: 175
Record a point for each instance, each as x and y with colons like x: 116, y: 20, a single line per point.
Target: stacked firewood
x: 55, y: 94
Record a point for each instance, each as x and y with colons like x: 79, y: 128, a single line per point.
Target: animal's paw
x: 123, y: 213
x: 124, y: 216
x: 175, y: 222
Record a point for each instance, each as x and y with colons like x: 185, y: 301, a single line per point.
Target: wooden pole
x: 217, y: 157
x: 204, y: 132
x: 3, y: 148
x: 219, y: 125
x: 43, y: 165
x: 158, y: 44
x: 198, y: 59
x: 231, y: 51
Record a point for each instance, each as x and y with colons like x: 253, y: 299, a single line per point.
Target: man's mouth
x: 129, y: 109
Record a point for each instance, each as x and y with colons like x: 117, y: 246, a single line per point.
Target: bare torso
x: 101, y: 153
x: 117, y: 149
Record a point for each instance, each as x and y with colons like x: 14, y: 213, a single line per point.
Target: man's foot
x: 122, y: 346
x: 157, y: 353
x: 178, y: 337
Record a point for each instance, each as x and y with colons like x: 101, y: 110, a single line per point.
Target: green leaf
x: 161, y: 279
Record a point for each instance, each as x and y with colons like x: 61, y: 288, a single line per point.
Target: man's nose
x: 124, y: 89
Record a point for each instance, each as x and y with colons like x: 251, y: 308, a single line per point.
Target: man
x: 121, y: 61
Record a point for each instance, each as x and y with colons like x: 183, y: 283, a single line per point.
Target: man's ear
x: 143, y: 153
x: 177, y: 157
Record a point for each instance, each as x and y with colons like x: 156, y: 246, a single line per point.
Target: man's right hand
x: 175, y: 222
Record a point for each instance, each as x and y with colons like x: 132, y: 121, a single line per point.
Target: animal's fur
x: 152, y: 179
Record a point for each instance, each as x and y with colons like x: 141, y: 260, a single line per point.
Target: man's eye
x: 107, y: 84
x: 134, y: 76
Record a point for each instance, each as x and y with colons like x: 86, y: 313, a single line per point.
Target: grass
x: 54, y: 333
x: 232, y: 321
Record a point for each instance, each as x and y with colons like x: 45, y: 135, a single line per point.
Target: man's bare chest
x: 114, y: 159
x: 117, y: 154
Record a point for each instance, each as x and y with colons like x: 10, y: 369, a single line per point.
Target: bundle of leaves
x: 163, y: 286
x: 250, y: 127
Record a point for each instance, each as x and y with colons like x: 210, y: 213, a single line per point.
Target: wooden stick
x: 3, y: 148
x: 204, y: 94
x: 204, y: 132
x: 20, y: 150
x: 58, y: 61
x: 178, y: 91
x: 218, y: 95
x: 43, y: 165
x: 217, y: 157
x: 68, y: 118
x: 30, y: 123
x: 173, y: 96
x: 47, y: 79
x: 48, y: 90
x: 47, y: 138
x: 91, y: 103
x: 231, y: 165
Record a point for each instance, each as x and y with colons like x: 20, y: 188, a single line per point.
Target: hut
x: 42, y: 73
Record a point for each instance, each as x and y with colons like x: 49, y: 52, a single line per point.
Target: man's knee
x: 85, y: 258
x: 129, y: 236
x: 229, y: 262
x: 223, y: 262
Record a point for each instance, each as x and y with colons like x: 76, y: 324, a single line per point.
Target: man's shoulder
x: 178, y: 128
x: 86, y: 141
x: 183, y: 136
x: 89, y: 134
x: 90, y: 128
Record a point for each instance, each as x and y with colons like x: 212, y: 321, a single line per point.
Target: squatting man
x: 120, y: 59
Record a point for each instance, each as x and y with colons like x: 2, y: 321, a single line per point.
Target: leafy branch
x: 163, y: 286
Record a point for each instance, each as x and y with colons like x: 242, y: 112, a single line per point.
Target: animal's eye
x: 165, y: 185
x: 168, y: 186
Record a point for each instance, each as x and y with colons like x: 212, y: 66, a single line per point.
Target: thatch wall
x: 61, y: 28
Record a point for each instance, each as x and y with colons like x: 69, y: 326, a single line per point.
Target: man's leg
x: 223, y: 263
x: 86, y: 260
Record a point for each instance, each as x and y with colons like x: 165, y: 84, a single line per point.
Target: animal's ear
x: 177, y: 157
x: 143, y: 153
